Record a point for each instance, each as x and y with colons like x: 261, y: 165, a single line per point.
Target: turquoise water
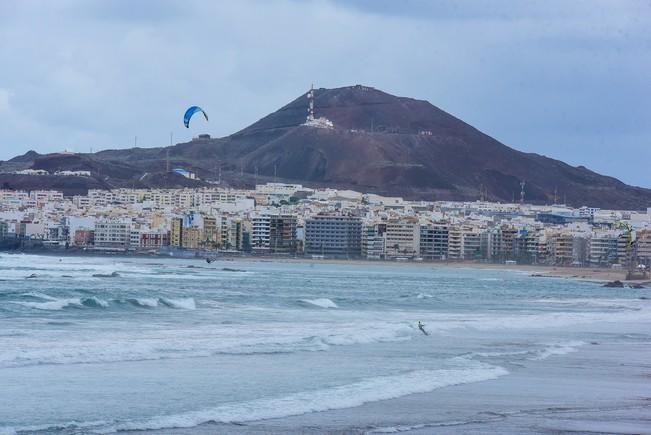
x: 174, y: 343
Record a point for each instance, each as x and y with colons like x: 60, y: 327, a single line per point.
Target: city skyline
x: 325, y: 223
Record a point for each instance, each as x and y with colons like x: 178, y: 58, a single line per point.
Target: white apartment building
x: 261, y: 232
x: 279, y: 188
x: 113, y: 234
x: 44, y: 196
x: 373, y: 242
x: 402, y: 238
x: 602, y: 247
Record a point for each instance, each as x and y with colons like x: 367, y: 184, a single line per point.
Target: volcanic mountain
x: 364, y: 139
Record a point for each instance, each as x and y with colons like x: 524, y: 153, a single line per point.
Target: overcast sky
x: 567, y: 79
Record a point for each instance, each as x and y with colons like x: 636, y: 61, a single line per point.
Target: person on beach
x: 421, y: 326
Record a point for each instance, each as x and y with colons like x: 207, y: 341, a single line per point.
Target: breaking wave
x: 558, y: 349
x: 53, y: 305
x: 320, y: 302
x: 182, y: 303
x: 155, y: 344
x: 340, y: 397
x: 56, y: 304
x: 550, y: 349
x: 143, y: 302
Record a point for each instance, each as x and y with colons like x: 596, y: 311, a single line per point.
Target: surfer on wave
x: 421, y: 326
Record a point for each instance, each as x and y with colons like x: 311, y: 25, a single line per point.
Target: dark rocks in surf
x: 614, y: 284
x: 106, y: 275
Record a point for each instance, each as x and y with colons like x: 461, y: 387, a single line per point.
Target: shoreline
x: 593, y: 274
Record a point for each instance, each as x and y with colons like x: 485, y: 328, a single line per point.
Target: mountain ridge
x: 377, y: 143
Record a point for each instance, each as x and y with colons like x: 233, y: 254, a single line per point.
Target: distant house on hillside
x: 32, y: 172
x: 185, y: 173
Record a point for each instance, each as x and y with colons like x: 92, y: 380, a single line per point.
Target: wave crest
x: 183, y: 303
x: 50, y: 303
x: 320, y: 302
x: 340, y: 397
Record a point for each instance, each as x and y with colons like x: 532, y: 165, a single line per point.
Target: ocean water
x: 239, y: 346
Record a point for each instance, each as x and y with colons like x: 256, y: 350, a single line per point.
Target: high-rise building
x: 402, y: 238
x: 643, y: 247
x: 211, y: 234
x: 232, y: 228
x: 434, y: 241
x: 471, y: 244
x: 4, y: 230
x: 260, y: 234
x: 562, y: 248
x: 176, y: 232
x: 602, y: 248
x: 373, y: 241
x: 192, y: 237
x: 333, y: 236
x: 282, y: 234
x: 112, y: 234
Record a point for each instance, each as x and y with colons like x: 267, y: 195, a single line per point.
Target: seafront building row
x: 288, y: 219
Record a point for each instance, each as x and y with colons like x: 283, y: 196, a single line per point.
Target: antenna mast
x: 310, y: 103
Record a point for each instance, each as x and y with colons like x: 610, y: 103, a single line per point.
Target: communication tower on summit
x: 310, y: 104
x: 311, y: 120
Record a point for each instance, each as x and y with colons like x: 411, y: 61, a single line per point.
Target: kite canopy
x: 191, y: 111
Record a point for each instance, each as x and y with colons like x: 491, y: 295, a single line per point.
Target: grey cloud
x: 565, y: 79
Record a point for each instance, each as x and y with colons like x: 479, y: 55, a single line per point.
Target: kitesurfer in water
x: 421, y: 326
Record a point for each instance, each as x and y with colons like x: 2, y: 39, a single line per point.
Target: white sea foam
x: 630, y: 304
x: 56, y: 304
x: 424, y: 296
x: 48, y: 428
x: 40, y: 295
x: 340, y: 397
x: 486, y: 322
x: 53, y: 305
x: 398, y: 429
x: 558, y: 349
x: 95, y: 345
x: 182, y: 303
x: 144, y: 302
x: 549, y: 349
x: 321, y: 302
x: 367, y: 333
x: 499, y: 354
